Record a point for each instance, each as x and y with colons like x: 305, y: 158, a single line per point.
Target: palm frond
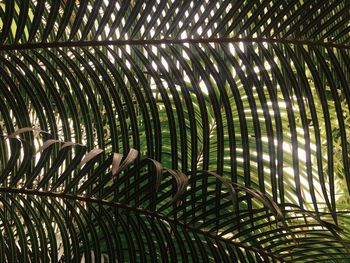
x: 174, y: 130
x: 145, y: 206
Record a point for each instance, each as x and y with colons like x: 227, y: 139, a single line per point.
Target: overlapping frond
x: 256, y: 92
x: 70, y: 21
x: 80, y: 210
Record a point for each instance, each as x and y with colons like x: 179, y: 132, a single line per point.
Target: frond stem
x: 141, y: 42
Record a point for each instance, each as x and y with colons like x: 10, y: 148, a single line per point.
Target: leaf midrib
x: 137, y: 210
x: 141, y: 42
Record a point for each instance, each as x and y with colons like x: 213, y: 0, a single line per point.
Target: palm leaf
x: 174, y: 131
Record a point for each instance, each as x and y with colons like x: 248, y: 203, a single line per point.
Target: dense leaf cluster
x: 175, y: 131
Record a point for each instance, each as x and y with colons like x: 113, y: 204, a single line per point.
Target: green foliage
x: 181, y: 131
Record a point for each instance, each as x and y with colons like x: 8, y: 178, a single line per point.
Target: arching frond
x: 174, y: 130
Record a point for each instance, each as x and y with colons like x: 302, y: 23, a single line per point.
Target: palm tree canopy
x: 175, y: 131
